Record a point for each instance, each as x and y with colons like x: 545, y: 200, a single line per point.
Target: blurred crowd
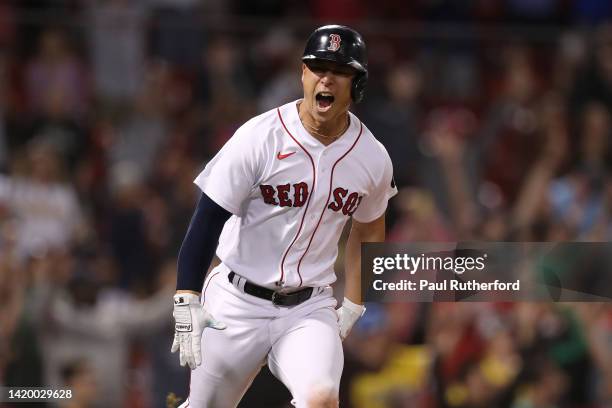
x: 110, y: 108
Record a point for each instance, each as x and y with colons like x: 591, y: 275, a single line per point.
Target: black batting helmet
x: 343, y: 45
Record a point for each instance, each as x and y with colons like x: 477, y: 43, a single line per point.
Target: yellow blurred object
x: 172, y: 400
x: 404, y: 372
x: 456, y: 394
x: 497, y: 372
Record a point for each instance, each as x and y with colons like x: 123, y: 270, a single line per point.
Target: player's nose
x: 327, y: 77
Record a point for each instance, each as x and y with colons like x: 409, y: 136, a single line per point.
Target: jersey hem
x: 375, y: 217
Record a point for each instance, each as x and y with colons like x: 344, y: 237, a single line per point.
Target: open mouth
x: 324, y: 100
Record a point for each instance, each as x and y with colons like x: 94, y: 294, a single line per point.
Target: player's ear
x: 304, y: 67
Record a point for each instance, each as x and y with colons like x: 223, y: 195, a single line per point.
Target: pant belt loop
x: 236, y: 282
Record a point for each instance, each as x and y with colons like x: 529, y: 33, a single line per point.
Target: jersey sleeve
x: 230, y: 176
x: 374, y: 204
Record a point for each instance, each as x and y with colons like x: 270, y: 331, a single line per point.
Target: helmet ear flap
x: 358, y: 87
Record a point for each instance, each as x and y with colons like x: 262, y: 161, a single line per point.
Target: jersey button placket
x: 321, y: 177
x: 323, y: 163
x: 323, y: 160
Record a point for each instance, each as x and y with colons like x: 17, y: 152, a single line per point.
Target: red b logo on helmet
x: 334, y: 42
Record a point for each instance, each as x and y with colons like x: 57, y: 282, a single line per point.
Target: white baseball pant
x: 301, y: 345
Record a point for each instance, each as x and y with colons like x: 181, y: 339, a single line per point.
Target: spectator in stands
x: 504, y: 147
x: 280, y: 50
x: 594, y: 81
x: 395, y: 117
x: 578, y: 199
x: 20, y: 354
x: 87, y: 320
x: 55, y: 80
x: 46, y: 208
x: 225, y: 94
x: 147, y: 116
x: 117, y: 39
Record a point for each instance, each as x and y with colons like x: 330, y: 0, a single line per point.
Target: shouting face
x: 327, y: 88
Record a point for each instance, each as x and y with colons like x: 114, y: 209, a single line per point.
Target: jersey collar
x: 291, y: 117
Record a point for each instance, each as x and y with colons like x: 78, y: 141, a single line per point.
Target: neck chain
x: 318, y: 135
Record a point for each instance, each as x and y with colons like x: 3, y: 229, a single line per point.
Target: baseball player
x: 275, y: 200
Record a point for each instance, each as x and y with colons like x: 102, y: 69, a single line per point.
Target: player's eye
x: 342, y: 72
x: 317, y: 68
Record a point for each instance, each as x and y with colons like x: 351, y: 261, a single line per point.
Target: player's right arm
x: 195, y: 256
x: 198, y: 247
x: 226, y: 182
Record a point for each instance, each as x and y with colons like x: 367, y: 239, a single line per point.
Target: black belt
x: 279, y: 299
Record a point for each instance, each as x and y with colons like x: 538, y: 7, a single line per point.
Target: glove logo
x: 179, y: 301
x: 183, y: 327
x: 334, y: 42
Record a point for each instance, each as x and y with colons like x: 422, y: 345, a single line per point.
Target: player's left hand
x: 348, y: 314
x: 191, y: 318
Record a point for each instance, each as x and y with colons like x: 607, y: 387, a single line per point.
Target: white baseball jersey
x: 291, y: 196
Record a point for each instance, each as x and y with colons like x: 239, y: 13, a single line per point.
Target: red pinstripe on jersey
x: 314, y: 178
x: 331, y: 180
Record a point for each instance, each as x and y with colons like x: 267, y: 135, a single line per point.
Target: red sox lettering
x: 282, y: 191
x: 296, y: 195
x: 348, y: 206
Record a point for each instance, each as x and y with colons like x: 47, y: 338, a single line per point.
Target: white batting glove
x: 348, y: 314
x: 190, y: 321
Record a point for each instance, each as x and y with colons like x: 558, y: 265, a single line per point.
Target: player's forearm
x: 199, y: 245
x: 352, y: 269
x: 370, y: 232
